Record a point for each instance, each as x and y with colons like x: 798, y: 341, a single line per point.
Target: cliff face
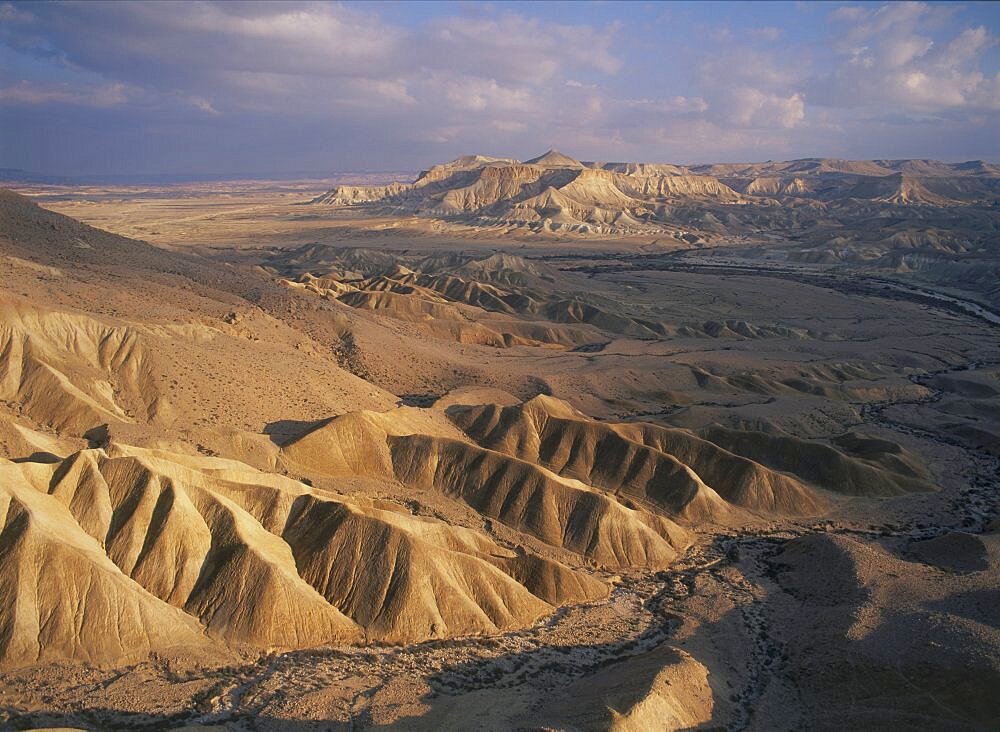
x: 550, y: 190
x: 555, y: 191
x: 348, y: 195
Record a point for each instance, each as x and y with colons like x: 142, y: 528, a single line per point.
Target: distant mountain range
x: 559, y: 193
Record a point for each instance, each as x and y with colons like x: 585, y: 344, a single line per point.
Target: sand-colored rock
x: 563, y: 513
x: 60, y: 594
x: 550, y: 190
x: 663, y: 689
x: 422, y: 466
x: 257, y: 558
x: 853, y: 464
x: 672, y: 469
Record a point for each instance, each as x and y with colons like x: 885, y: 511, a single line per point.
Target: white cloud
x: 753, y: 108
x: 469, y: 93
x: 515, y: 48
x: 900, y: 51
x: 767, y: 33
x: 751, y: 89
x: 670, y: 105
x: 508, y: 125
x: 888, y: 57
x: 848, y: 13
x: 204, y: 105
x: 27, y: 93
x: 967, y: 45
x: 479, y: 75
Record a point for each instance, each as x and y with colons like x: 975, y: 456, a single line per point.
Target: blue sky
x: 253, y: 88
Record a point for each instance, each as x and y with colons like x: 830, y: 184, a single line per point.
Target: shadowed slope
x: 671, y: 469
x: 854, y: 464
x: 562, y: 513
x: 61, y: 597
x: 171, y: 546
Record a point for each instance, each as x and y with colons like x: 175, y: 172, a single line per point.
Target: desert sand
x: 516, y: 445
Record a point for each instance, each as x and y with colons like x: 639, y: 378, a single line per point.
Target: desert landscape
x: 488, y: 366
x: 540, y: 445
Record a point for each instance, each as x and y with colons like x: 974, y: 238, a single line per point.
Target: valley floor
x: 724, y: 604
x: 809, y: 455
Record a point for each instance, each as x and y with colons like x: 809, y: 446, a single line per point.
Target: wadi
x: 509, y: 445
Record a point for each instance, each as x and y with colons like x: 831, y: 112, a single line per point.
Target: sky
x: 248, y: 88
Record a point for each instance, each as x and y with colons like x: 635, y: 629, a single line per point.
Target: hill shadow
x: 417, y: 400
x: 284, y: 431
x: 109, y: 719
x: 39, y: 456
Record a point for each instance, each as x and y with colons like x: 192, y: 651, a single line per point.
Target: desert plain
x: 504, y: 445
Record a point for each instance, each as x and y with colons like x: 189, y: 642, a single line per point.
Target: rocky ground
x: 878, y: 610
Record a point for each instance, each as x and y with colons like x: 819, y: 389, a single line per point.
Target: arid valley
x: 504, y: 445
x: 499, y: 366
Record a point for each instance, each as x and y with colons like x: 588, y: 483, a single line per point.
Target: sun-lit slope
x: 554, y: 159
x: 737, y: 479
x: 598, y: 188
x: 492, y: 185
x: 347, y: 195
x: 460, y: 164
x: 550, y: 191
x: 899, y: 189
x: 565, y: 514
x: 501, y: 300
x: 513, y: 299
x: 61, y: 597
x: 417, y: 305
x: 529, y: 499
x: 853, y: 464
x: 174, y: 550
x: 73, y: 372
x: 772, y: 186
x: 405, y: 579
x: 581, y: 451
x: 531, y: 503
x: 556, y: 193
x: 341, y: 263
x: 642, y: 170
x: 219, y: 341
x: 664, y: 689
x: 98, y: 328
x: 860, y: 183
x: 682, y: 186
x: 740, y: 466
x: 669, y: 468
x: 445, y: 318
x: 194, y: 538
x: 466, y: 309
x: 481, y: 294
x: 19, y: 441
x: 803, y: 166
x: 378, y: 565
x: 500, y: 269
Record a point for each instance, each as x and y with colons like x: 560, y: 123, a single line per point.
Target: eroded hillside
x: 370, y: 485
x: 694, y: 204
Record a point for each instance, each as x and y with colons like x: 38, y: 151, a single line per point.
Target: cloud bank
x: 251, y: 87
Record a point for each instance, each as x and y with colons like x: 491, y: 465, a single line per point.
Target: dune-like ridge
x: 200, y: 550
x: 669, y: 468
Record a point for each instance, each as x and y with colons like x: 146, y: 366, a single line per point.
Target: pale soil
x: 842, y: 619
